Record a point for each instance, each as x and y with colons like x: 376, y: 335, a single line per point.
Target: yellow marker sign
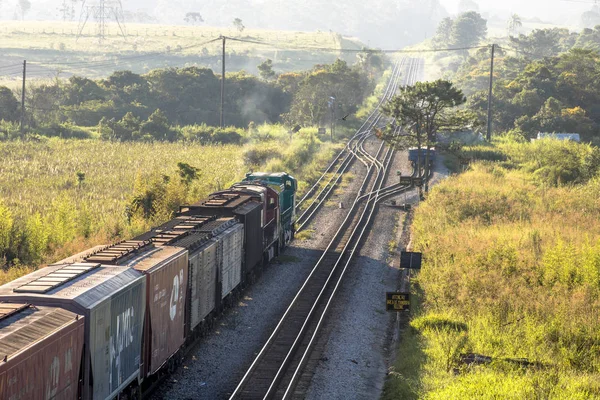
x: 397, y: 301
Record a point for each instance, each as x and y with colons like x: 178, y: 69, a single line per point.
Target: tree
x: 24, y: 7
x: 9, y: 105
x: 539, y: 43
x: 514, y: 24
x: 468, y: 29
x: 239, y: 25
x: 65, y: 9
x: 444, y: 31
x: 193, y: 18
x: 187, y: 173
x: 310, y: 100
x: 265, y: 69
x: 157, y: 126
x: 81, y: 89
x: 369, y: 62
x: 425, y: 109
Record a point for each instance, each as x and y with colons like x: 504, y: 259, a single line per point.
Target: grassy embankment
x: 52, y: 49
x: 511, y: 271
x: 47, y: 212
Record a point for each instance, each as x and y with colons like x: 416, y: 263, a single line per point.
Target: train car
x: 140, y: 301
x: 229, y: 258
x: 203, y: 279
x: 41, y: 350
x: 286, y: 186
x: 252, y: 210
x: 111, y: 299
x: 203, y: 237
x: 413, y: 155
x: 166, y: 270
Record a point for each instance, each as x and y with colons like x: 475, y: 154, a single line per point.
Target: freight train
x: 112, y: 320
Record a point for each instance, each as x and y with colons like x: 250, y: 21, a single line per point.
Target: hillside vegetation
x: 511, y: 272
x: 177, y: 103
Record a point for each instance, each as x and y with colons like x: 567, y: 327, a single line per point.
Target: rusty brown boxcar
x: 40, y: 352
x: 112, y: 300
x: 166, y: 270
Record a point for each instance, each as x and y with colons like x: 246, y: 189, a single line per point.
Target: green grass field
x: 511, y: 271
x: 47, y: 211
x: 54, y: 49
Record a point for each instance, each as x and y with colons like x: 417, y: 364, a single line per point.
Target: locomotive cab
x: 286, y: 186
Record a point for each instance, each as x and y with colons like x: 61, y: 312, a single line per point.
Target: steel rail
x: 373, y: 198
x: 360, y: 131
x: 356, y: 217
x: 350, y: 149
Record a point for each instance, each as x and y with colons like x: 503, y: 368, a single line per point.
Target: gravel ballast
x: 358, y: 351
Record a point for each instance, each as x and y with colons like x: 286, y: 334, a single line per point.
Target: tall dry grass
x: 48, y: 212
x: 511, y: 271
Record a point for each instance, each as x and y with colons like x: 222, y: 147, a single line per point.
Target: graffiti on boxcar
x: 175, y: 296
x: 54, y: 376
x: 69, y: 360
x: 124, y: 338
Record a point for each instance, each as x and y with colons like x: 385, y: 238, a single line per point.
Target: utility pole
x: 490, y: 95
x: 331, y: 103
x: 23, y: 97
x: 223, y: 82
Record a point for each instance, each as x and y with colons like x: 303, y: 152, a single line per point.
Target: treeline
x: 551, y: 42
x: 174, y: 103
x: 555, y: 94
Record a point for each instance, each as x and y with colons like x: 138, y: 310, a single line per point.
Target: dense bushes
x: 555, y: 162
x: 128, y: 106
x: 556, y: 94
x: 210, y: 134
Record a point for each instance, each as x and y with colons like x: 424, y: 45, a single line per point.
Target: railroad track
x: 279, y: 370
x: 352, y: 151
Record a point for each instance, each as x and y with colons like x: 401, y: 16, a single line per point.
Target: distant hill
x: 383, y: 23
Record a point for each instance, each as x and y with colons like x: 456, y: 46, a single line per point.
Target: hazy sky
x: 543, y: 9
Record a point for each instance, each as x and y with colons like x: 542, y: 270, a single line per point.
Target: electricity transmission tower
x: 102, y: 11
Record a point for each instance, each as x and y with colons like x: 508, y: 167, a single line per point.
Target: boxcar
x: 166, y: 270
x: 250, y: 215
x: 229, y: 258
x: 41, y: 349
x: 112, y: 300
x: 202, y: 279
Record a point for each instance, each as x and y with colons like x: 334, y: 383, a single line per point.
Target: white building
x: 559, y: 136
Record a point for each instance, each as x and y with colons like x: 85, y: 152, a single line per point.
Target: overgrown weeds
x: 511, y: 271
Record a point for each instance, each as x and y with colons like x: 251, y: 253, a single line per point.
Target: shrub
x: 65, y: 131
x: 209, y: 134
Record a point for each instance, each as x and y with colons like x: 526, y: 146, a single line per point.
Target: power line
x: 522, y: 52
x: 10, y: 66
x: 333, y: 49
x: 126, y: 58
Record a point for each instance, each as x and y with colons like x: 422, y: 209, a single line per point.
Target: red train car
x: 41, y: 350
